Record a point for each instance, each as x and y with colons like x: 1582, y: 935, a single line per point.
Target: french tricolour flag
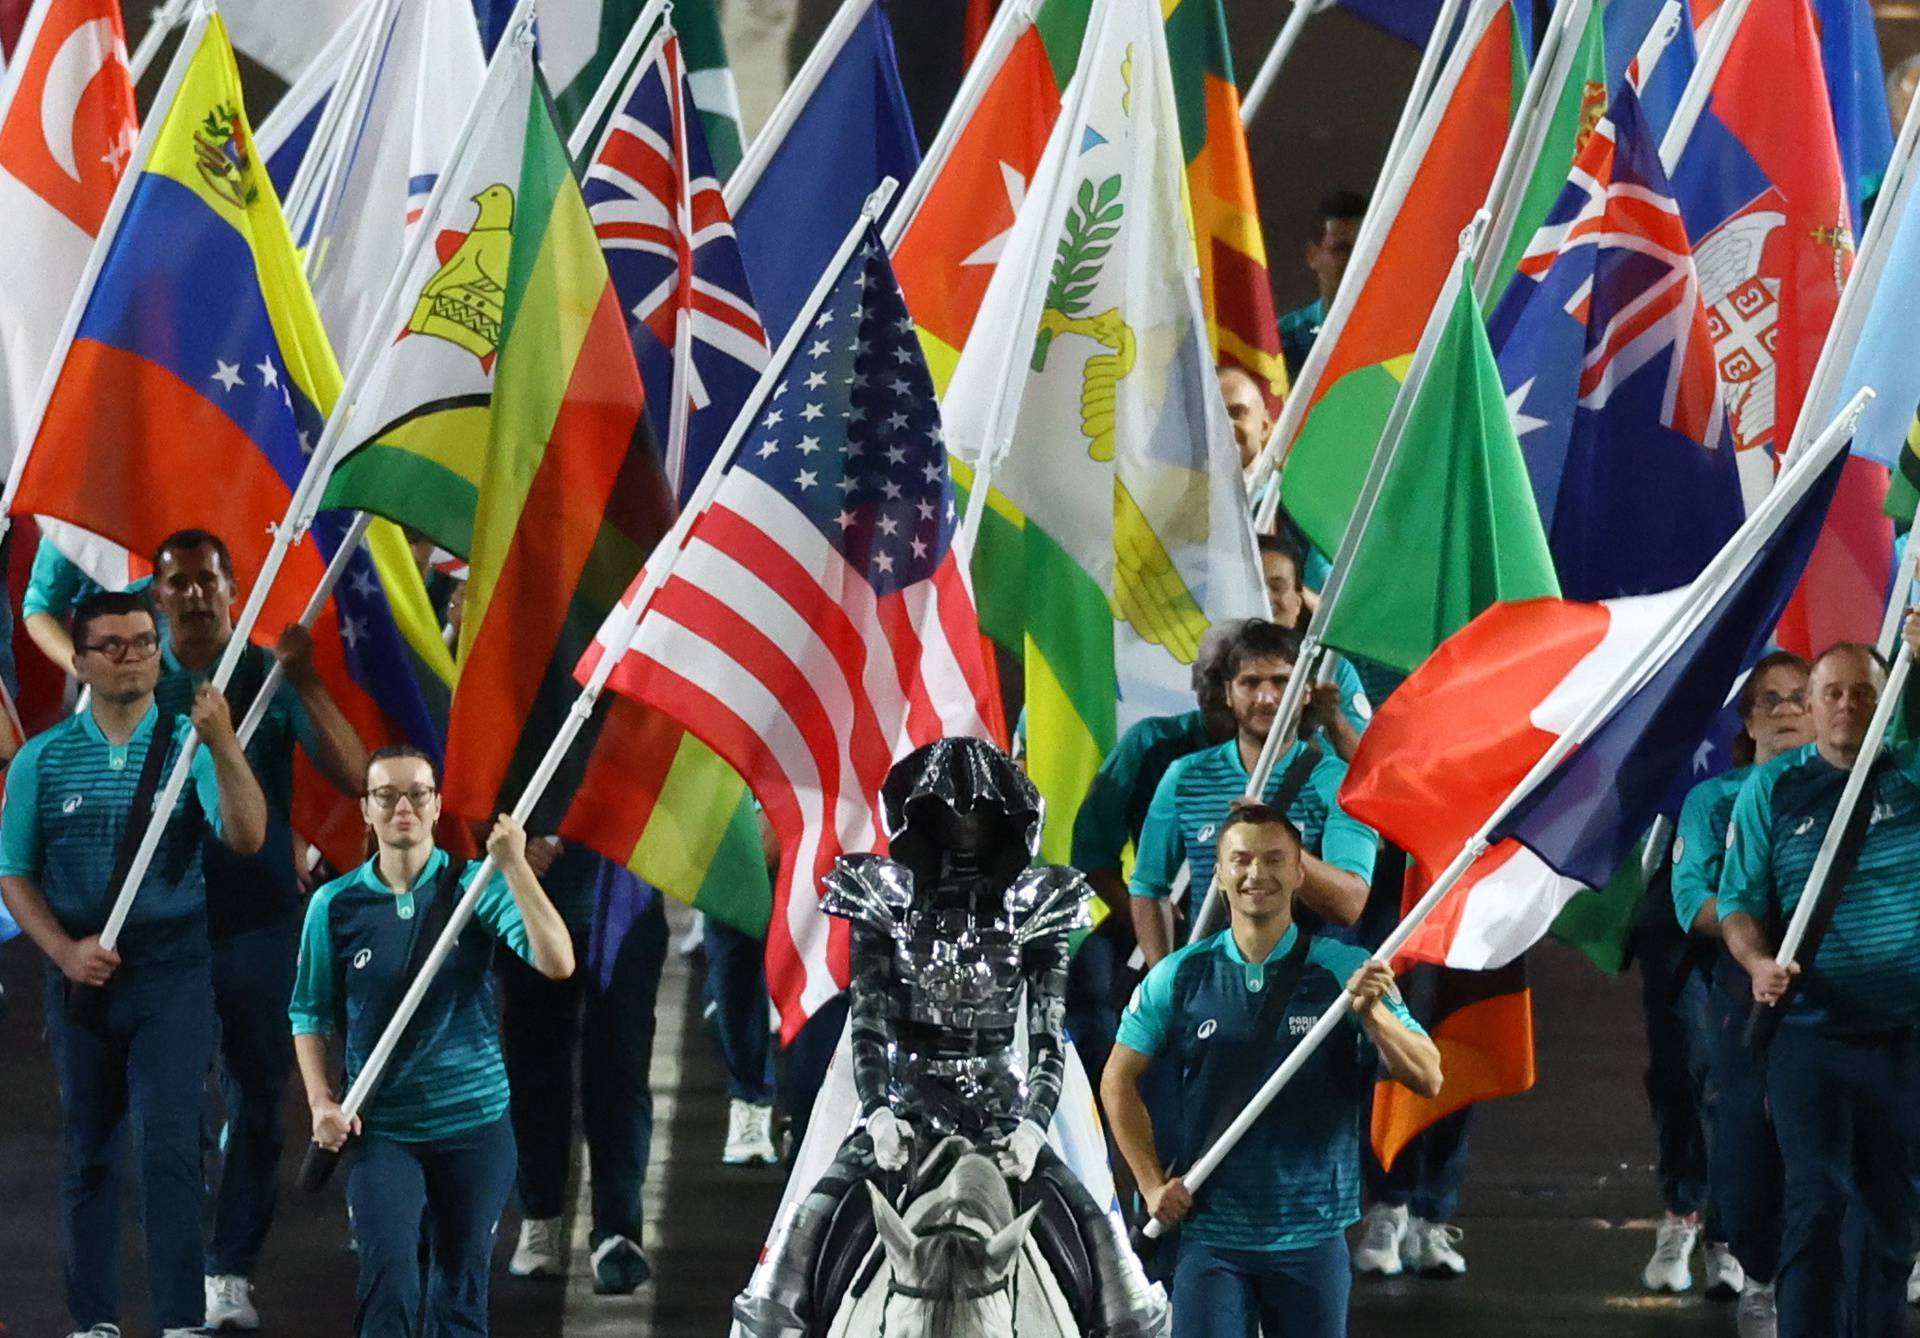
x: 1446, y: 751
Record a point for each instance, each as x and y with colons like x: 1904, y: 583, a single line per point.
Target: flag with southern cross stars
x: 816, y: 624
x: 193, y: 389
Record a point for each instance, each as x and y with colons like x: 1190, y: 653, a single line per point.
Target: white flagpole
x: 1431, y: 58
x: 626, y: 62
x: 1902, y: 596
x: 306, y: 194
x: 1699, y: 91
x: 1680, y: 622
x: 681, y: 405
x: 317, y: 81
x: 1396, y: 179
x: 1009, y: 23
x: 1205, y: 916
x: 165, y: 18
x: 1283, y: 44
x: 792, y: 102
x: 1527, y: 143
x: 1016, y: 347
x: 614, y: 638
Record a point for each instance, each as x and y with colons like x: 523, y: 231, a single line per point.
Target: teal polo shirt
x: 1193, y: 799
x: 447, y: 1075
x: 1294, y: 1180
x: 1115, y: 809
x: 1866, y: 975
x: 1700, y: 842
x: 1298, y: 329
x: 55, y: 584
x: 68, y: 804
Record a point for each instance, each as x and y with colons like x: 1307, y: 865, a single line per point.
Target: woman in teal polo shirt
x: 434, y: 1140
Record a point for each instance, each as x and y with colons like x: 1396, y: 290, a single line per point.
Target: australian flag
x: 670, y: 247
x: 1608, y: 360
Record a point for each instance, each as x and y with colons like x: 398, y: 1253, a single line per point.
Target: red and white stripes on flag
x: 781, y: 658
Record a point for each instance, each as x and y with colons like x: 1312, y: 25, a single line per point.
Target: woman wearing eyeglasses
x: 1740, y: 1169
x: 434, y: 1140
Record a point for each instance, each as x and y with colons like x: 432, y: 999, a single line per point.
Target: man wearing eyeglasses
x: 253, y: 901
x: 129, y: 1026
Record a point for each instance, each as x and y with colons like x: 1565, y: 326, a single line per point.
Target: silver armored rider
x: 946, y: 935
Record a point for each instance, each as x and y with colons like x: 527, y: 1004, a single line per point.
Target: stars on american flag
x: 870, y: 472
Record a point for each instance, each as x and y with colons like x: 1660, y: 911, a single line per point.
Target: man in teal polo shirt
x: 1336, y: 226
x: 1842, y: 1071
x: 1264, y: 1239
x: 1198, y: 790
x: 136, y: 1052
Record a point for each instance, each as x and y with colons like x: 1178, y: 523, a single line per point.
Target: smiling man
x: 1264, y: 1240
x: 1194, y: 797
x: 1842, y: 1078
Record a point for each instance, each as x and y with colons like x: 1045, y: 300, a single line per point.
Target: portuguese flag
x: 1462, y: 131
x: 570, y: 496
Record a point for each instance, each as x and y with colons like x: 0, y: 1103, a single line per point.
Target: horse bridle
x: 896, y: 1288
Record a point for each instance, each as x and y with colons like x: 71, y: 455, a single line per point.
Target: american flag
x: 668, y: 240
x: 816, y: 624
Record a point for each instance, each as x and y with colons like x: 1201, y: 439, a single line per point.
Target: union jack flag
x: 669, y: 244
x: 1606, y: 350
x: 816, y: 624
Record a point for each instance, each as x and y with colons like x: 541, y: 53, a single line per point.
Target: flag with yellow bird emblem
x: 422, y: 404
x: 1115, y: 481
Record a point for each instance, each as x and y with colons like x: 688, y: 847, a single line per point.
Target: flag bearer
x: 1743, y: 1161
x: 1841, y: 1072
x: 1264, y: 1239
x: 130, y: 1028
x: 1193, y: 798
x: 435, y: 1138
x: 253, y: 901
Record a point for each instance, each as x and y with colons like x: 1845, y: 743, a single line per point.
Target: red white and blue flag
x: 1607, y: 355
x: 669, y: 244
x: 1767, y: 206
x: 1453, y: 741
x: 816, y: 623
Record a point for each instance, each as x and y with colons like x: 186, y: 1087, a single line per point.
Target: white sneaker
x: 1722, y: 1273
x: 538, y: 1253
x: 1428, y: 1249
x: 1913, y: 1284
x: 1381, y: 1232
x: 97, y: 1331
x: 1754, y: 1318
x: 749, y: 1135
x: 1672, y: 1248
x: 230, y: 1303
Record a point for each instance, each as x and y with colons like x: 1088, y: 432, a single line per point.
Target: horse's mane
x: 949, y: 1260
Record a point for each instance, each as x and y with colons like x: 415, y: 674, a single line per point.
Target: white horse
x: 958, y: 1264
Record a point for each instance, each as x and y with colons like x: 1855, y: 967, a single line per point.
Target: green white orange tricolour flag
x: 1094, y: 411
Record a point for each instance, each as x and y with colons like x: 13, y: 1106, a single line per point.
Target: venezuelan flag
x: 193, y: 389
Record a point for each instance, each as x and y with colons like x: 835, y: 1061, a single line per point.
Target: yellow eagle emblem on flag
x: 465, y: 301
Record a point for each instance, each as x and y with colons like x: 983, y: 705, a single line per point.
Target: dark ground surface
x: 1556, y: 1211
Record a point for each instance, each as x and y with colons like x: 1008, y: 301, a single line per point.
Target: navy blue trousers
x: 459, y: 1185
x: 606, y: 1011
x: 1673, y: 997
x: 139, y: 1066
x: 736, y: 991
x: 1743, y: 1156
x: 1426, y: 1176
x: 252, y: 981
x: 1262, y: 1293
x: 1843, y: 1110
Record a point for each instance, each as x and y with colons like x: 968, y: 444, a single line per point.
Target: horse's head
x: 953, y: 1255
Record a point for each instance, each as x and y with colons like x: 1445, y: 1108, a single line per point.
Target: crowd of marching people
x: 1788, y: 1164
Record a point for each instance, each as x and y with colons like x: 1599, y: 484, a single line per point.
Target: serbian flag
x: 171, y: 409
x: 1766, y: 203
x: 1455, y: 740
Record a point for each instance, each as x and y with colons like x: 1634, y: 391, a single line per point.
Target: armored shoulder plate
x: 1049, y: 902
x: 869, y: 890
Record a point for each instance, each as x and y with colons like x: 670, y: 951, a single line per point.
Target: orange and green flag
x: 1458, y: 147
x: 1234, y: 281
